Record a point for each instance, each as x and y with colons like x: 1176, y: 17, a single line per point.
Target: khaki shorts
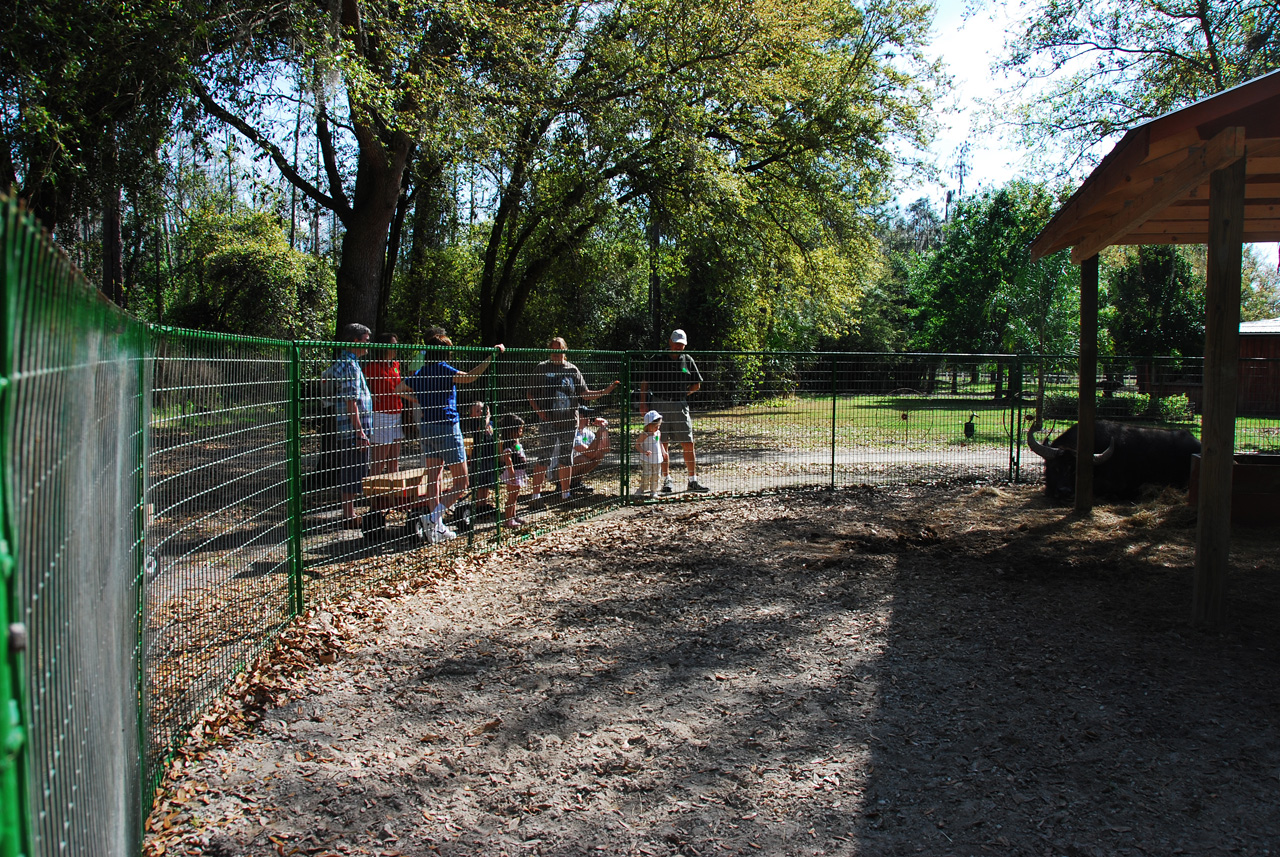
x: 677, y: 424
x: 554, y: 445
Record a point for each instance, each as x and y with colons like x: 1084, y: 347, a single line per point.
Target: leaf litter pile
x: 928, y: 670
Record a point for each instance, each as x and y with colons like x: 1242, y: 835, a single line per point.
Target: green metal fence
x: 73, y: 412
x: 172, y: 499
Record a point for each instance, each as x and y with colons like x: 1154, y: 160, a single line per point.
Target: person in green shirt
x: 669, y: 379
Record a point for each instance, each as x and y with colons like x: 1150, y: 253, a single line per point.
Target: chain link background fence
x: 172, y: 499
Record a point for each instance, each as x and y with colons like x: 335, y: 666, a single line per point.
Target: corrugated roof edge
x: 1270, y: 325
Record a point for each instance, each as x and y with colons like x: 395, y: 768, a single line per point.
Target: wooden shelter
x: 1206, y: 174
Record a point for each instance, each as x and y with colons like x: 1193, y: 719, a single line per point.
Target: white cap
x: 652, y: 416
x: 678, y: 337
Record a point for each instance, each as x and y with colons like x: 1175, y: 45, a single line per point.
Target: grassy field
x: 912, y: 422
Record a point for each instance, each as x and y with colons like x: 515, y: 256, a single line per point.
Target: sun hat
x: 678, y: 337
x: 652, y: 416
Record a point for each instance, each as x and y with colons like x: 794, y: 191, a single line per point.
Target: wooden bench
x: 402, y: 484
x: 391, y: 489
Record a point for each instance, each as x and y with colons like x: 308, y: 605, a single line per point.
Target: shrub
x: 1064, y: 406
x: 1176, y: 409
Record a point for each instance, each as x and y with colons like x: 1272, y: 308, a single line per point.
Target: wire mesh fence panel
x: 218, y: 519
x: 736, y: 422
x: 458, y: 454
x: 561, y: 422
x: 1258, y: 411
x: 365, y: 484
x: 925, y: 417
x: 73, y: 440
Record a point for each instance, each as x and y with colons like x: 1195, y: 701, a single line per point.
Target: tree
x: 381, y: 85
x: 244, y: 278
x: 1091, y: 70
x: 1259, y: 280
x: 885, y: 318
x: 1156, y: 304
x: 1260, y: 289
x: 724, y: 115
x: 87, y: 89
x: 980, y: 292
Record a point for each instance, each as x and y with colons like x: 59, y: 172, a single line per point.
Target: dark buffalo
x: 1127, y: 458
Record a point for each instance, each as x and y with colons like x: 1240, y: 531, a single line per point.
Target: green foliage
x: 1155, y: 304
x: 980, y: 292
x: 245, y: 279
x: 1099, y: 68
x: 1260, y: 289
x: 1122, y: 405
x: 762, y: 129
x: 884, y: 318
x: 1175, y: 409
x: 88, y: 88
x: 768, y: 126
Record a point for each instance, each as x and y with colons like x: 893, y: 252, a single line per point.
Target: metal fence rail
x: 218, y: 519
x: 171, y: 499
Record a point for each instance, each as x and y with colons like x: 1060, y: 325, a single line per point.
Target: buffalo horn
x: 1048, y: 453
x: 1105, y: 455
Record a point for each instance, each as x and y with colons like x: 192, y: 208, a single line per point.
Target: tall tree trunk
x: 430, y: 231
x: 655, y: 290
x: 380, y: 169
x: 393, y: 257
x: 112, y: 246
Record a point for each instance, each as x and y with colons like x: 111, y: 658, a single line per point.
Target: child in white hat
x: 649, y: 446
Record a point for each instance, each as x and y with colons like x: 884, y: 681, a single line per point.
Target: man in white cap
x: 668, y: 381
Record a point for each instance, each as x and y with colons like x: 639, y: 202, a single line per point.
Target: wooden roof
x: 1153, y: 188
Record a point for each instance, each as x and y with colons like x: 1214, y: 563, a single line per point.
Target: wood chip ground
x: 935, y: 670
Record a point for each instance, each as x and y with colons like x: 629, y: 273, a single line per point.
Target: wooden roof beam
x: 1128, y: 154
x: 1225, y: 148
x: 1255, y: 232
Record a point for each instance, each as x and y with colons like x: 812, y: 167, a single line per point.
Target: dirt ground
x: 936, y: 670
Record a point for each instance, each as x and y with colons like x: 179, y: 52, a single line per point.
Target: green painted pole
x: 834, y: 397
x: 15, y: 816
x: 295, y: 481
x: 143, y: 347
x: 624, y: 472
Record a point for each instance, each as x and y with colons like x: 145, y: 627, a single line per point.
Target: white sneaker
x: 426, y: 530
x: 667, y: 487
x: 445, y: 533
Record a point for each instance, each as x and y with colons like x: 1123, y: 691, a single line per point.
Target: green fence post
x: 495, y: 485
x: 833, y: 421
x: 1015, y: 424
x: 295, y: 480
x: 15, y: 816
x: 624, y: 472
x: 143, y: 339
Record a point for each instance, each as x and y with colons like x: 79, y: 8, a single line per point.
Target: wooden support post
x: 1218, y: 415
x: 1088, y: 371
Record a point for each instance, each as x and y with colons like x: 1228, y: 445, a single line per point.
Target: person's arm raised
x: 476, y: 371
x: 592, y: 395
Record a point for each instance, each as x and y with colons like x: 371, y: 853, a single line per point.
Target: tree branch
x: 257, y: 138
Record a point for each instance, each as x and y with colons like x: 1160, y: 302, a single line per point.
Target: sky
x: 968, y: 46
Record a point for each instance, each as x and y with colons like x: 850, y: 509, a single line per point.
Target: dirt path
x: 935, y: 671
